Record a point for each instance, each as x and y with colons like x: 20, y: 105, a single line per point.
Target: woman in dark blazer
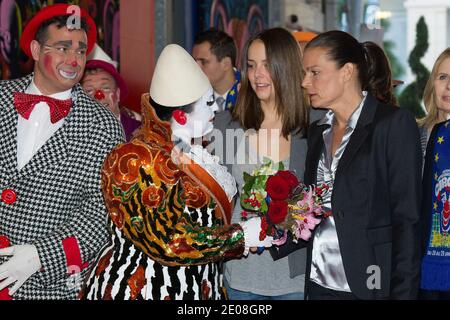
x: 369, y: 154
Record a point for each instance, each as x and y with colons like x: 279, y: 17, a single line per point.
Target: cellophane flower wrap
x: 284, y: 204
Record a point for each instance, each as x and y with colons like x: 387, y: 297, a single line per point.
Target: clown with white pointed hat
x: 169, y: 207
x: 104, y: 83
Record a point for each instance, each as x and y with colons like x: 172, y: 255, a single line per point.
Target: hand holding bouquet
x: 283, y: 202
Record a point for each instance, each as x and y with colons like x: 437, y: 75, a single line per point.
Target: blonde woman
x: 436, y: 97
x: 435, y: 283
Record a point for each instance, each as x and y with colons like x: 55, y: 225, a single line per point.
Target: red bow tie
x: 25, y: 103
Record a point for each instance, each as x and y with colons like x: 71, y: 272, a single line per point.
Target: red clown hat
x: 49, y: 12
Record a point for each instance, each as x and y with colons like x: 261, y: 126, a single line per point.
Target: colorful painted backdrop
x: 14, y: 14
x: 240, y: 19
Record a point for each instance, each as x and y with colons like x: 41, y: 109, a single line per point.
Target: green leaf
x: 247, y: 188
x: 264, y: 206
x: 260, y: 182
x: 247, y: 177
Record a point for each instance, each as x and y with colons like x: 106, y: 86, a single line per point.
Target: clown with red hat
x: 104, y: 83
x: 54, y: 139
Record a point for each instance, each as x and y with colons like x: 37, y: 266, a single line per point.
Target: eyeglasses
x: 64, y: 51
x: 96, y: 92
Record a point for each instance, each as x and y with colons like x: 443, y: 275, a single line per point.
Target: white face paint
x: 198, y: 121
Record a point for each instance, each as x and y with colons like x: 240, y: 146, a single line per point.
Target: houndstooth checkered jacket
x: 58, y: 192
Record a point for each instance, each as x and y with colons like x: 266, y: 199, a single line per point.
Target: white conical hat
x: 98, y: 54
x: 177, y: 80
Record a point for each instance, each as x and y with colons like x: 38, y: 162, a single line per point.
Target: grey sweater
x: 259, y: 274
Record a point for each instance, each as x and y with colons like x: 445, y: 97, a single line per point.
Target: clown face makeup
x: 195, y: 121
x: 60, y: 60
x: 101, y: 86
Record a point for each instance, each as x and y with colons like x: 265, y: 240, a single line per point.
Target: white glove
x: 252, y: 228
x: 23, y: 264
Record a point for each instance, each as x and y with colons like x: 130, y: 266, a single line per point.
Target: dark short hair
x: 60, y: 22
x: 222, y: 45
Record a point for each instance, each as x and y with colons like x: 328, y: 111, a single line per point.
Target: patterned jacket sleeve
x: 147, y: 195
x: 76, y: 243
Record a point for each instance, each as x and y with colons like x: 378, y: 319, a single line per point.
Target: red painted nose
x: 74, y: 64
x: 179, y: 117
x: 99, y: 95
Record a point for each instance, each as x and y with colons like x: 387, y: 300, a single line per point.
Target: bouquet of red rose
x: 283, y: 202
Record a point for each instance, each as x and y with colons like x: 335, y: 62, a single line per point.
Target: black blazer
x: 375, y: 201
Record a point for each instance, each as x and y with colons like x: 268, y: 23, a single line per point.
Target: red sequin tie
x: 25, y: 103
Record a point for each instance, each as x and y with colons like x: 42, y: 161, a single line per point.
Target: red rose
x: 289, y: 177
x: 277, y: 211
x: 277, y: 188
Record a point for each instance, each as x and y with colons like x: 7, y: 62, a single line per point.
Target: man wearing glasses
x: 53, y: 141
x: 103, y: 82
